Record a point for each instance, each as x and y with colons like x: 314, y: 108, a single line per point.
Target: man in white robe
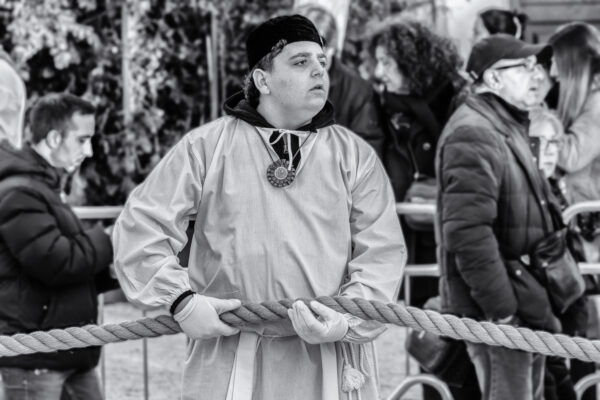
x: 287, y: 205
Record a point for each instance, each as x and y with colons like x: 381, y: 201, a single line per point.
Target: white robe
x: 333, y: 231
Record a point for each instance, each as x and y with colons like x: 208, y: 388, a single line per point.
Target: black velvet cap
x: 488, y: 51
x: 291, y: 28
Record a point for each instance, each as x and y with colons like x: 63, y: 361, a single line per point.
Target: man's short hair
x: 54, y: 112
x: 251, y: 93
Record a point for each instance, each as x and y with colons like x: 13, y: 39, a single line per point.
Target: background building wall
x: 547, y: 15
x: 459, y: 17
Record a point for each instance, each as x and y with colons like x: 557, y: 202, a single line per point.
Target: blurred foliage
x: 169, y: 83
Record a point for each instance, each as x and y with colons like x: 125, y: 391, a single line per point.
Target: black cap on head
x: 291, y: 28
x: 494, y: 48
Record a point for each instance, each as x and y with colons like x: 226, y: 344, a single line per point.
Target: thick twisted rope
x: 431, y: 321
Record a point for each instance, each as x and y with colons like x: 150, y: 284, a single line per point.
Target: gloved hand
x: 330, y: 327
x: 199, y: 319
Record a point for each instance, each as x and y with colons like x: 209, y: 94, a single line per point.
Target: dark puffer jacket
x: 50, y: 266
x: 489, y: 215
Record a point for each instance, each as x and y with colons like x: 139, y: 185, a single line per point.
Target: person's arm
x: 45, y: 253
x: 581, y: 144
x: 151, y: 230
x: 470, y: 167
x: 376, y: 268
x: 377, y: 264
x: 378, y: 250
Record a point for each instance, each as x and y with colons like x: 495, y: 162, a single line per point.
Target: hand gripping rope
x: 427, y: 320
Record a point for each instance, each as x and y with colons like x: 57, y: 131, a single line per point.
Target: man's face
x: 76, y: 144
x: 519, y: 81
x: 298, y: 80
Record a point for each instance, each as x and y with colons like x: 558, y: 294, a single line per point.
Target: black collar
x: 520, y: 116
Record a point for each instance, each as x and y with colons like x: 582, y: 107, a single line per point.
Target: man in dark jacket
x: 51, y: 268
x: 355, y: 103
x: 489, y: 214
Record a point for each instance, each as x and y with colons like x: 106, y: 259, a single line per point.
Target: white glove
x: 199, y: 319
x: 330, y: 327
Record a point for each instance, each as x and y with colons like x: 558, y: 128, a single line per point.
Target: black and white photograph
x: 299, y: 199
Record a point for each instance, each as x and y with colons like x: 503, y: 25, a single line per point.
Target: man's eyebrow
x: 306, y: 54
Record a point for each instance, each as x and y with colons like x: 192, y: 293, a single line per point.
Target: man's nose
x: 319, y: 69
x: 538, y: 72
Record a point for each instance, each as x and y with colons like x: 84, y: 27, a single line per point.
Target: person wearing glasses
x: 489, y: 213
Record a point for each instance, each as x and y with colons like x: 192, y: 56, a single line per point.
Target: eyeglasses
x: 552, y: 142
x: 544, y: 144
x: 529, y: 64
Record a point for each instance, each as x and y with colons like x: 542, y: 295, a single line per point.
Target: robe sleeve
x: 378, y: 250
x: 151, y: 231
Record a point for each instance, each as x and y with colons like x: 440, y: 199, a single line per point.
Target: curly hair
x: 425, y: 59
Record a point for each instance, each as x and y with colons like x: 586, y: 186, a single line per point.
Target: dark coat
x: 50, y: 265
x: 355, y: 104
x: 489, y: 215
x: 413, y: 127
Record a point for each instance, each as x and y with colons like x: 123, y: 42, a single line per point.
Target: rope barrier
x: 431, y: 321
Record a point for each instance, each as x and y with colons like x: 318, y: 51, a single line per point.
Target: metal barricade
x: 421, y: 379
x: 410, y: 271
x: 104, y: 213
x: 586, y: 268
x: 585, y: 383
x: 580, y: 208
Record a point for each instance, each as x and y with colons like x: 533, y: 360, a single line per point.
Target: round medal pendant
x: 279, y: 175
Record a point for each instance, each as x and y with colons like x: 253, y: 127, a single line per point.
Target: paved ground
x: 124, y: 377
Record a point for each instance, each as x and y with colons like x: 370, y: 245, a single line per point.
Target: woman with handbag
x: 421, y: 86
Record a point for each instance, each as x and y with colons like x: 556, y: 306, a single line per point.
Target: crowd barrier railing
x: 98, y: 213
x: 414, y: 270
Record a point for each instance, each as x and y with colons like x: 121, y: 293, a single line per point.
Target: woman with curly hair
x: 419, y: 72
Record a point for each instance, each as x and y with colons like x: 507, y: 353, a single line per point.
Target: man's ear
x: 53, y: 139
x: 261, y: 81
x: 492, y: 80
